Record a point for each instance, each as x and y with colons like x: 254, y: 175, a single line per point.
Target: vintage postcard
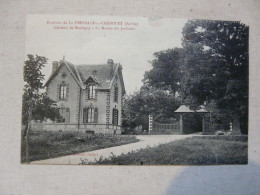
x: 103, y: 90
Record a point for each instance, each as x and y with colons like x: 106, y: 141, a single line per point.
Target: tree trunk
x: 236, y: 126
x: 28, y: 131
x: 25, y: 131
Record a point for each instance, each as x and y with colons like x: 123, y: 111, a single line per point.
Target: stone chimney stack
x: 55, y: 65
x: 110, y: 61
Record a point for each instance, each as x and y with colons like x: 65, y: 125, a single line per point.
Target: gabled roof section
x: 71, y: 69
x: 119, y: 71
x: 102, y: 74
x: 90, y: 79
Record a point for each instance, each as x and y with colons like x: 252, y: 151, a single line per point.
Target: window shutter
x: 67, y: 115
x: 58, y: 92
x: 96, y: 115
x: 67, y: 91
x: 85, y: 115
x: 87, y: 92
x: 96, y: 93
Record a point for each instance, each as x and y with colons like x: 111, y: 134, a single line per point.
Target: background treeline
x: 210, y: 69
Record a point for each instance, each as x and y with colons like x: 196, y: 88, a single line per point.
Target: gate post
x: 181, y: 124
x: 150, y: 123
x: 203, y: 125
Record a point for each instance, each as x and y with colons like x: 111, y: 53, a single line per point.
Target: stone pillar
x: 181, y: 124
x: 203, y: 125
x: 236, y: 126
x: 150, y: 123
x: 108, y: 110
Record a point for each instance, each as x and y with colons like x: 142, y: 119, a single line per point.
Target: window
x: 115, y: 117
x: 62, y: 112
x: 92, y: 92
x: 116, y: 94
x: 64, y: 115
x: 63, y: 92
x: 89, y: 115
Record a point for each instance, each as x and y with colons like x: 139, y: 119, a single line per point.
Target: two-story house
x: 89, y: 97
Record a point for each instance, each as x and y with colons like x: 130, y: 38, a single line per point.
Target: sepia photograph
x: 107, y: 90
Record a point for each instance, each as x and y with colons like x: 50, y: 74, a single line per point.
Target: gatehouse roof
x: 186, y: 109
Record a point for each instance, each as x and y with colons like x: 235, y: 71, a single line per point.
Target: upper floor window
x: 91, y: 91
x: 116, y: 94
x: 63, y: 92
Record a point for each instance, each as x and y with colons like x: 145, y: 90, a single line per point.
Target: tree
x: 42, y: 108
x: 216, y: 67
x: 148, y: 101
x: 166, y: 72
x: 36, y: 104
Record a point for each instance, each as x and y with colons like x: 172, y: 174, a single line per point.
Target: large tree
x: 216, y: 67
x: 166, y: 70
x: 36, y: 104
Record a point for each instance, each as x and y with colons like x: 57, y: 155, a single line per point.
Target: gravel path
x: 145, y: 141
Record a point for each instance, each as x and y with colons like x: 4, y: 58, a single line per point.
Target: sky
x: 130, y: 41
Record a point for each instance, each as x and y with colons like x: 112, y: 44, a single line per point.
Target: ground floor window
x: 115, y: 117
x: 64, y: 115
x: 90, y: 115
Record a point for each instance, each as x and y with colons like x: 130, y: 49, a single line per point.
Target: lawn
x: 207, y: 150
x: 46, y: 144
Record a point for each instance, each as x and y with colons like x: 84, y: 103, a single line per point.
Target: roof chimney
x: 55, y: 65
x: 110, y: 61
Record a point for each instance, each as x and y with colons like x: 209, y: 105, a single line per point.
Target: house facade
x: 89, y: 97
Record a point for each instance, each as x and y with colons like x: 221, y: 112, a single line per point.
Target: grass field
x: 207, y: 150
x: 46, y: 144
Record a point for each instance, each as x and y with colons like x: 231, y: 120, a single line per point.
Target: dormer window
x: 91, y: 91
x: 91, y: 84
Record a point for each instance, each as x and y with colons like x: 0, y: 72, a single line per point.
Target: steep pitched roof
x: 71, y: 69
x: 185, y: 109
x: 103, y: 74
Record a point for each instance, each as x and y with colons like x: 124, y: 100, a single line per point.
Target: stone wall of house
x: 118, y: 104
x: 77, y: 100
x: 71, y: 101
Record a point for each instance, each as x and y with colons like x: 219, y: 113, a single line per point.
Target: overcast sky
x: 131, y: 48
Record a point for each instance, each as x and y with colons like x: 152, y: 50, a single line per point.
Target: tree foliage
x: 148, y: 101
x: 216, y: 66
x: 42, y: 106
x: 210, y: 69
x: 166, y: 71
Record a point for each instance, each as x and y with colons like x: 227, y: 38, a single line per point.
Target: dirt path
x: 145, y: 141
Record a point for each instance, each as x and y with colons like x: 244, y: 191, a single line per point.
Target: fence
x: 97, y: 128
x: 169, y: 128
x: 211, y: 128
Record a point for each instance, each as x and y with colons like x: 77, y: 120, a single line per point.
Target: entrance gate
x: 163, y: 128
